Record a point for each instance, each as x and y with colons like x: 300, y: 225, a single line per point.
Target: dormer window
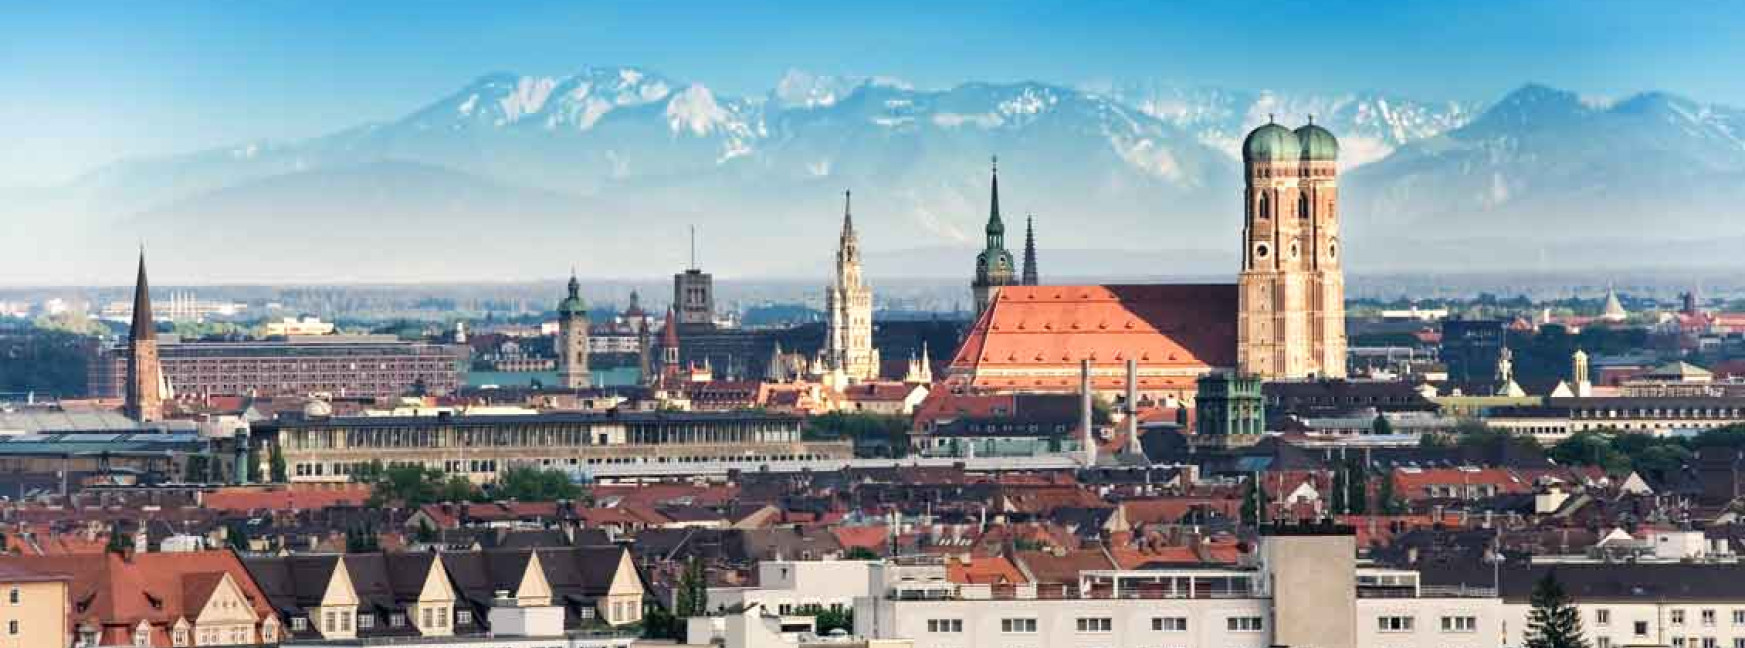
x: 396, y: 620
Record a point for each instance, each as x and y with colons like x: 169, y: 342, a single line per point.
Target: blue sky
x: 88, y: 83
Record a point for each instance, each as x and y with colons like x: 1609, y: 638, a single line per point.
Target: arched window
x: 1265, y: 205
x: 1303, y: 205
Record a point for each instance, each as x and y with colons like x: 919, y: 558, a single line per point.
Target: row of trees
x: 1620, y: 453
x: 416, y: 485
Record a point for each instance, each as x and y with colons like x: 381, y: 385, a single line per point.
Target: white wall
x: 1427, y: 613
x: 1057, y: 622
x: 797, y: 583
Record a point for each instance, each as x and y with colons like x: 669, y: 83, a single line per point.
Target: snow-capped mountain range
x: 513, y: 175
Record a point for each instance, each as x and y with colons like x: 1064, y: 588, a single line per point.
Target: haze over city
x: 758, y: 324
x: 594, y: 135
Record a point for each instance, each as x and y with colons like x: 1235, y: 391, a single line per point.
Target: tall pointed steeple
x: 1030, y: 251
x: 144, y: 398
x: 996, y: 228
x: 142, y: 328
x: 848, y: 303
x: 994, y: 266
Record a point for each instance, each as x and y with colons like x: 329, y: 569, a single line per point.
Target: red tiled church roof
x: 1170, y: 326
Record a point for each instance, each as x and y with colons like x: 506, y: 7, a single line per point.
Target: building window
x: 12, y: 596
x: 937, y: 626
x: 1096, y: 624
x: 1018, y: 626
x: 329, y: 622
x: 1169, y: 624
x: 1392, y: 624
x: 1602, y: 642
x: 1677, y: 617
x: 1243, y: 624
x: 1707, y: 616
x: 396, y: 620
x: 1458, y: 624
x: 465, y: 617
x: 1602, y: 617
x: 1738, y: 617
x: 429, y: 617
x: 299, y: 624
x: 1711, y: 642
x: 366, y: 621
x: 142, y: 635
x: 12, y: 629
x: 1641, y: 628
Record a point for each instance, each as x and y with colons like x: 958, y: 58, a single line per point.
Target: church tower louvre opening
x: 1291, y: 291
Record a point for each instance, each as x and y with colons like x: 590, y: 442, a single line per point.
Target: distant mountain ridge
x: 511, y: 176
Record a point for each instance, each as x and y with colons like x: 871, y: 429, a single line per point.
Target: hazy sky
x: 87, y: 83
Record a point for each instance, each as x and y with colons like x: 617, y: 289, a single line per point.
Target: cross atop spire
x: 1311, y: 119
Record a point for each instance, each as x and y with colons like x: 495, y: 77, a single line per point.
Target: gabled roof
x: 158, y: 588
x: 1183, y: 326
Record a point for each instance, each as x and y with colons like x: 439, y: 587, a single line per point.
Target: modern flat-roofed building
x: 349, y: 365
x: 1304, y: 587
x: 479, y: 447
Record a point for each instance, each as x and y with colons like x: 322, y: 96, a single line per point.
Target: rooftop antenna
x: 1269, y: 118
x: 693, y: 247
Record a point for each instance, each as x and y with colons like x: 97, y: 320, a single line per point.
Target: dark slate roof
x: 1631, y: 582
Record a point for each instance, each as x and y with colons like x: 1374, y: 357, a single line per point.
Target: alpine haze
x: 515, y: 176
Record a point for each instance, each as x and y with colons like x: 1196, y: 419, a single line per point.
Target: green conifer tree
x: 1554, y: 621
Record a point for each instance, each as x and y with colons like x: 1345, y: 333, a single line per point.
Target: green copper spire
x: 996, y: 229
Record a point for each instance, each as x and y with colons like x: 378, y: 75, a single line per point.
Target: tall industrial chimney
x: 1085, y: 407
x: 1133, y: 406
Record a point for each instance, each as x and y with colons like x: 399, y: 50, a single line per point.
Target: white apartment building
x: 787, y: 587
x: 1300, y: 588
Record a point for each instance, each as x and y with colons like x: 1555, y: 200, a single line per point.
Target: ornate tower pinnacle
x: 1030, y: 251
x: 994, y: 265
x: 848, y: 303
x: 145, y: 386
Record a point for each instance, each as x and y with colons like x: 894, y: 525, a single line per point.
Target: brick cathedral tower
x: 145, y: 382
x: 1291, y: 318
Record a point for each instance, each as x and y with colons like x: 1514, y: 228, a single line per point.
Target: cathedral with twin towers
x: 1282, y: 319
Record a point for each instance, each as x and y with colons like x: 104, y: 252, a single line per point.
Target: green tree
x: 1590, y: 449
x: 276, y: 463
x: 416, y: 486
x: 1381, y: 425
x: 1554, y: 621
x: 362, y: 539
x: 861, y: 553
x: 692, y: 597
x: 1251, y: 503
x: 119, y: 542
x: 236, y: 535
x: 1386, y: 499
x: 885, y: 433
x: 828, y: 619
x: 658, y: 623
x: 527, y: 483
